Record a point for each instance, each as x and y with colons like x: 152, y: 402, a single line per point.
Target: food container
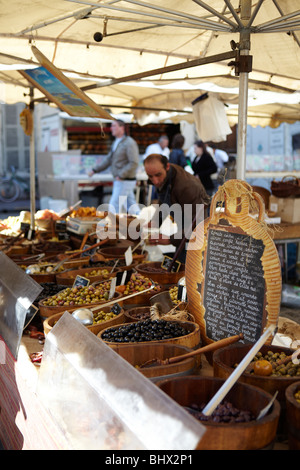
x: 137, y: 314
x: 252, y: 435
x: 50, y: 248
x: 223, y: 365
x: 190, y: 340
x: 47, y: 311
x: 138, y: 354
x: 119, y: 253
x: 68, y: 277
x: 158, y: 274
x: 293, y: 416
x: 117, y: 320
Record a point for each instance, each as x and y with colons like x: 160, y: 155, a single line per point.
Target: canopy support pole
x: 32, y: 166
x: 245, y: 66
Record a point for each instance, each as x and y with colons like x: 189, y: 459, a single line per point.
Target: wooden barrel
x: 253, y: 435
x: 190, y: 340
x: 67, y: 278
x: 223, y: 363
x: 138, y: 354
x: 117, y: 320
x: 293, y: 416
x: 158, y: 274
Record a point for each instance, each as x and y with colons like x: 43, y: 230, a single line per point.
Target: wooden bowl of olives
x: 93, y: 274
x: 226, y: 359
x: 159, y: 274
x: 76, y: 297
x: 142, y: 332
x: 103, y: 318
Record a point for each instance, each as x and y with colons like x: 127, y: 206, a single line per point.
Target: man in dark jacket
x: 177, y: 190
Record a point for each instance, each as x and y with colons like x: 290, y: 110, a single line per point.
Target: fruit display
x: 79, y: 295
x: 147, y: 330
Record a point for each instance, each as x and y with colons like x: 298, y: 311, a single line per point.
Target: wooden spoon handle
x: 77, y: 253
x: 208, y: 348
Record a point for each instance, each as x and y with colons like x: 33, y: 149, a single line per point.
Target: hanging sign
x: 61, y: 90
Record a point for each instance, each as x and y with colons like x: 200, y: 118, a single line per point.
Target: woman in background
x: 204, y: 166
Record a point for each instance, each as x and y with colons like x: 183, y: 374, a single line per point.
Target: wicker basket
x: 286, y: 188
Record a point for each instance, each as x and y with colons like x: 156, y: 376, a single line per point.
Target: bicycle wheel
x: 9, y: 190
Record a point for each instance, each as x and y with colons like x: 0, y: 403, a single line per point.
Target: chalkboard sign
x: 234, y: 286
x: 81, y: 281
x: 167, y: 262
x: 89, y: 252
x: 116, y: 308
x: 232, y: 269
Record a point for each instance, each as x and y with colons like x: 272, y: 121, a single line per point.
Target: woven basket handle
x: 291, y: 176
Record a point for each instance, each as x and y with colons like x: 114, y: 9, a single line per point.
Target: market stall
x: 141, y: 319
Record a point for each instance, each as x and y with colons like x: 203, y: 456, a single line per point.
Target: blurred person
x: 204, y: 166
x: 220, y: 157
x: 177, y: 154
x: 174, y: 185
x: 123, y: 159
x: 161, y: 147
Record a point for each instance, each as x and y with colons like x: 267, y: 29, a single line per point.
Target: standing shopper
x: 123, y: 159
x: 204, y: 166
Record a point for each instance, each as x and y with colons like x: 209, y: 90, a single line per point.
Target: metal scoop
x: 84, y: 316
x: 265, y: 410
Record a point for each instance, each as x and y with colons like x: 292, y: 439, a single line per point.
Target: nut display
x: 147, y: 330
x: 224, y: 413
x: 79, y: 295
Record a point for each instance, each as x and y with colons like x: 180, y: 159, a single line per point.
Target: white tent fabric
x: 140, y: 36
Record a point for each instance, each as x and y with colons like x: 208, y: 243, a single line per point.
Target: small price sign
x: 116, y: 309
x: 128, y: 256
x: 81, y: 281
x: 167, y: 262
x: 112, y: 289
